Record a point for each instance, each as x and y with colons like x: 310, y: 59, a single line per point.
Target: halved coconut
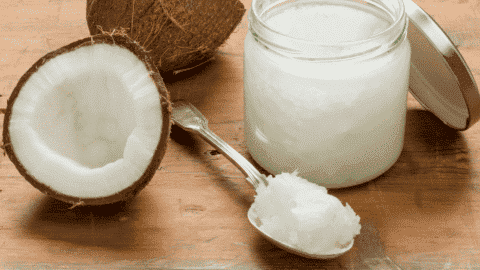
x: 89, y: 122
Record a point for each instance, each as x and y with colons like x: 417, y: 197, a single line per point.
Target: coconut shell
x: 124, y: 42
x: 178, y: 33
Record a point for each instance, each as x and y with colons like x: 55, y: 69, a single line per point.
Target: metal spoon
x: 187, y: 117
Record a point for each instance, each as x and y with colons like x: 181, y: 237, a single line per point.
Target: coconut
x: 88, y: 124
x: 180, y: 34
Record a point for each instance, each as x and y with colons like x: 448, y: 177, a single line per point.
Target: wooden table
x: 193, y: 213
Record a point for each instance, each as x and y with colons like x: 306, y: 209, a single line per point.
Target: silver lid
x: 439, y: 77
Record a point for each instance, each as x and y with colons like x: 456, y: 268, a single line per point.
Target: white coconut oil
x: 325, y: 87
x: 303, y: 214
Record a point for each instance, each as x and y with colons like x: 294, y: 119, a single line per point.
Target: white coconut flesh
x: 88, y: 122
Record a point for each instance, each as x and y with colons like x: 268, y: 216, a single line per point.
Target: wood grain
x: 193, y: 213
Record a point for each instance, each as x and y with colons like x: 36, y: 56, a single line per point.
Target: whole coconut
x: 179, y: 34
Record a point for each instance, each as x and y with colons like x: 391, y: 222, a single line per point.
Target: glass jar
x: 325, y: 87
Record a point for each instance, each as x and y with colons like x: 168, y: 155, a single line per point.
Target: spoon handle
x: 187, y: 117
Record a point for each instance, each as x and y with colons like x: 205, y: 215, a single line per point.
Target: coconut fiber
x: 179, y: 34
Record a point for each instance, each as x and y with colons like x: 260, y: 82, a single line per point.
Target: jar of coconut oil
x: 325, y: 87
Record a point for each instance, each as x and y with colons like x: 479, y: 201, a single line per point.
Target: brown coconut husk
x: 179, y: 34
x: 119, y: 39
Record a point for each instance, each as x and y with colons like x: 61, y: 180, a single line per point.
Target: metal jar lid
x: 439, y: 77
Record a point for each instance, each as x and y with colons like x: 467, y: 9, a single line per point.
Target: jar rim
x: 286, y: 44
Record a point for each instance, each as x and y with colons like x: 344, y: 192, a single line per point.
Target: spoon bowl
x: 187, y: 117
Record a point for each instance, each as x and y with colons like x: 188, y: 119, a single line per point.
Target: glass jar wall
x: 325, y: 87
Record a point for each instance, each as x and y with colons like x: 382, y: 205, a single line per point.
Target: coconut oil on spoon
x: 189, y: 118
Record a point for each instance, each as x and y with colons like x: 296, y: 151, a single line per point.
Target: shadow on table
x: 270, y: 256
x: 424, y: 127
x: 112, y: 226
x: 435, y: 157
